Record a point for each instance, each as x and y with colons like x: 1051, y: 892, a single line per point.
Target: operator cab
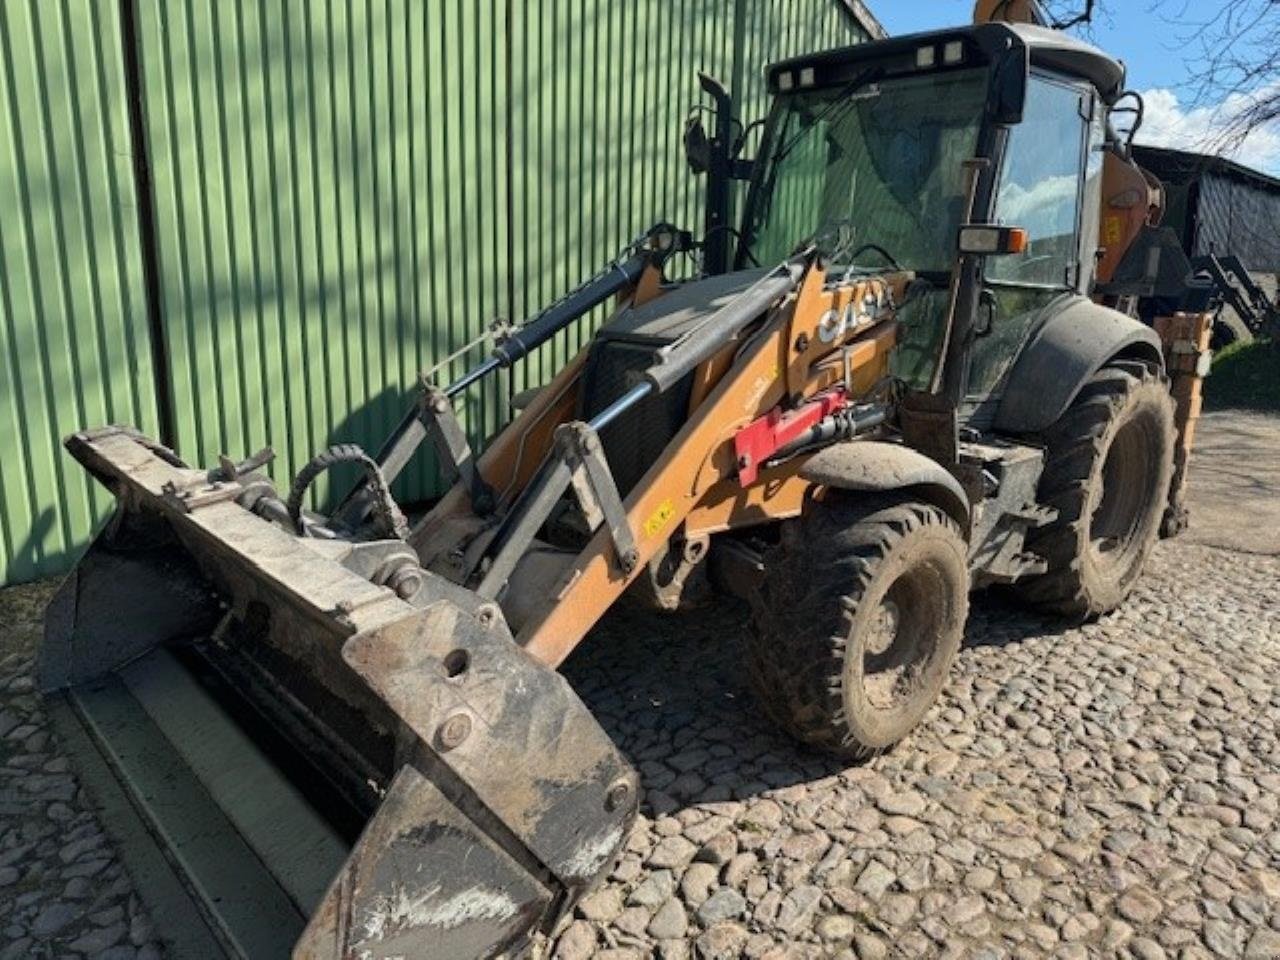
x: 866, y: 149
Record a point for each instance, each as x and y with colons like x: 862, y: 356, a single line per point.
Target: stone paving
x: 63, y: 893
x: 1107, y: 790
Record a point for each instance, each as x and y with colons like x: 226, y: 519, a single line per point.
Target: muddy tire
x: 860, y: 616
x: 1109, y: 461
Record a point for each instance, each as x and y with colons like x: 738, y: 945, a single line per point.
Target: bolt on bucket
x: 302, y: 754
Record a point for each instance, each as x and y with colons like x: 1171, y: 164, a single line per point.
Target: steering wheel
x: 906, y: 346
x: 1022, y: 265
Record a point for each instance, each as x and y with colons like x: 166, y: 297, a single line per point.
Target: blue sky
x: 1149, y: 37
x: 1148, y: 45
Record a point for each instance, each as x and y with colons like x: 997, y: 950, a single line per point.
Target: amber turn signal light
x: 986, y: 240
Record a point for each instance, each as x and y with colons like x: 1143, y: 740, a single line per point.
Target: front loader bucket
x: 295, y: 760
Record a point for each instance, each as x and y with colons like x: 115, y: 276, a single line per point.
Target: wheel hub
x: 884, y: 627
x: 1115, y: 523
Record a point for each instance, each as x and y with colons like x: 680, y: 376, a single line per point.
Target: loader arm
x: 783, y: 361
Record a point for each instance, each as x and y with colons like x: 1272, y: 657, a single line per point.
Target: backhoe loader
x: 345, y: 736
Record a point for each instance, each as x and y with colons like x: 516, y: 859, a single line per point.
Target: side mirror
x: 987, y: 306
x: 697, y: 148
x: 988, y: 241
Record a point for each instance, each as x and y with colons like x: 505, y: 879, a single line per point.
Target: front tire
x: 858, y: 621
x: 1108, y: 466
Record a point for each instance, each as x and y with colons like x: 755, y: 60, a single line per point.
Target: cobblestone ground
x: 63, y: 893
x: 1108, y: 790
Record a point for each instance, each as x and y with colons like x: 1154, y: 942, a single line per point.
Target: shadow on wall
x: 32, y: 556
x: 73, y: 340
x: 318, y: 177
x: 342, y: 193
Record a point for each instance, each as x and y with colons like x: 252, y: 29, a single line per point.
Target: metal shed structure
x: 1219, y: 206
x: 251, y: 223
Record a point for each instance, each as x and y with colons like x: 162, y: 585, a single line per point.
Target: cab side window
x: 1039, y: 190
x: 1040, y: 186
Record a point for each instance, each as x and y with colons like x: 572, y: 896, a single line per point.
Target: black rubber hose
x: 842, y: 425
x: 389, y: 517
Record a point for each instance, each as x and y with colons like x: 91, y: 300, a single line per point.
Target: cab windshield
x: 876, y: 163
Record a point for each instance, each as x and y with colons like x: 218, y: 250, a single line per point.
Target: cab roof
x: 1047, y: 48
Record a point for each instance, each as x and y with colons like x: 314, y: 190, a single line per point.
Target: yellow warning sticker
x: 1113, y: 230
x: 659, y: 518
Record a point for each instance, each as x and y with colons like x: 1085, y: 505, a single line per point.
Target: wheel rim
x: 1120, y: 513
x: 903, y: 634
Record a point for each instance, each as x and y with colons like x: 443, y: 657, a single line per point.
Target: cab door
x: 1051, y: 165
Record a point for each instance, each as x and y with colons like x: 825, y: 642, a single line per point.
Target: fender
x: 1076, y: 340
x: 873, y: 465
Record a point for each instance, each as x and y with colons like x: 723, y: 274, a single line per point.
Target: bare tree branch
x: 1232, y: 53
x: 1233, y: 63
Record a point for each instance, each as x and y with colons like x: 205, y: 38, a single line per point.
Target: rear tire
x: 1109, y: 463
x: 858, y: 621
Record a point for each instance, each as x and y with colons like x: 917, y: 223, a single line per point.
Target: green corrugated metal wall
x: 73, y: 333
x: 344, y: 190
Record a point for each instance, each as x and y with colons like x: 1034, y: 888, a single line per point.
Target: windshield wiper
x: 841, y: 104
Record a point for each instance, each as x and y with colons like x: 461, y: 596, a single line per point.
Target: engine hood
x: 681, y: 307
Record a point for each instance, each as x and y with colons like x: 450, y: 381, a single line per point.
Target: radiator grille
x: 635, y: 441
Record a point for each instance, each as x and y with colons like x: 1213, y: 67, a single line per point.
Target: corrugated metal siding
x: 73, y: 333
x: 1218, y: 206
x: 330, y: 205
x: 1236, y: 217
x: 348, y: 191
x: 344, y: 191
x: 596, y: 155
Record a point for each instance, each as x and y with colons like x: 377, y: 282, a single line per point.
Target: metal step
x: 231, y: 856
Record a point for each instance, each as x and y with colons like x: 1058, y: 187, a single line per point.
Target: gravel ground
x: 1108, y: 790
x: 1237, y: 465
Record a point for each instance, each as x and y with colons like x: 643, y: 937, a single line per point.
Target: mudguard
x: 873, y: 465
x: 1071, y: 345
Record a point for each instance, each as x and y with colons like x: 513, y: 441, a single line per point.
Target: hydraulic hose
x: 385, y: 511
x: 842, y: 425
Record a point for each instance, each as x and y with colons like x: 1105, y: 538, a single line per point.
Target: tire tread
x: 1074, y: 445
x: 795, y: 652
